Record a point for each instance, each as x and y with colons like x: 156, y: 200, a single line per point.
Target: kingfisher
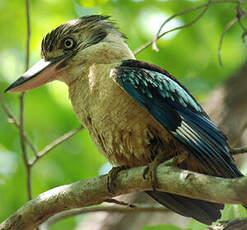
x: 136, y: 113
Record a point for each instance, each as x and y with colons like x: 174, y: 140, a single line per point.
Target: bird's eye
x: 68, y: 43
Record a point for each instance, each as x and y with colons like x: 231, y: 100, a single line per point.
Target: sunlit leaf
x: 92, y: 3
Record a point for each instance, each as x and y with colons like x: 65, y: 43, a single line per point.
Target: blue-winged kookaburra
x: 134, y: 111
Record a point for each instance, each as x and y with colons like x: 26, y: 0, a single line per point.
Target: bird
x: 135, y: 112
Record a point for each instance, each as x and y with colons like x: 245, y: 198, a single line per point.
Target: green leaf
x: 92, y: 3
x: 161, y: 227
x: 233, y: 211
x: 195, y: 225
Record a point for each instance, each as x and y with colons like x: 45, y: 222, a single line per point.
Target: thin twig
x: 109, y: 209
x: 138, y: 50
x: 23, y: 147
x: 49, y: 147
x: 154, y: 46
x: 244, y: 30
x: 54, y: 144
x: 23, y: 143
x: 240, y: 14
x: 229, y: 25
x: 28, y: 33
x: 235, y: 151
x: 12, y: 119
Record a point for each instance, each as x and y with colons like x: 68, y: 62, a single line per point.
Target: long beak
x: 39, y: 74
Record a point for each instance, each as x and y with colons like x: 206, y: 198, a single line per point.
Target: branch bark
x: 94, y: 191
x: 108, y: 209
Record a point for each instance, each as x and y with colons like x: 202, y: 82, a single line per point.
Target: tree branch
x: 22, y: 96
x: 109, y: 209
x: 94, y: 191
x: 236, y: 224
x: 54, y: 144
x: 240, y: 14
x: 23, y: 148
x: 186, y: 11
x: 12, y: 119
x: 154, y: 46
x: 228, y: 27
x: 235, y: 151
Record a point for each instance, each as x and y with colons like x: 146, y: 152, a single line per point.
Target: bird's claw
x: 150, y: 171
x: 150, y: 174
x: 111, y: 177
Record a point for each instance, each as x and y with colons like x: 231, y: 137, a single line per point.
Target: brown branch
x: 94, y: 191
x: 22, y: 138
x: 205, y: 5
x: 109, y: 209
x: 23, y: 147
x: 54, y: 144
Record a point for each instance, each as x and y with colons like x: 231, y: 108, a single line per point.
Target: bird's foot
x: 150, y: 174
x: 150, y: 171
x: 111, y: 177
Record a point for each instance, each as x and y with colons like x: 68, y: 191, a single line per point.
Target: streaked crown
x: 78, y: 34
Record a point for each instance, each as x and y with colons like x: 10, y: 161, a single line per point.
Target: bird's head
x: 69, y: 50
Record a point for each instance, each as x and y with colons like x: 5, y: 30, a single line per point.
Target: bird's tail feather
x: 203, y: 211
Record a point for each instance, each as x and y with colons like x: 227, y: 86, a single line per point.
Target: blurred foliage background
x: 190, y: 54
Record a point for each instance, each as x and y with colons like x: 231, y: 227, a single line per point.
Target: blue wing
x: 178, y: 112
